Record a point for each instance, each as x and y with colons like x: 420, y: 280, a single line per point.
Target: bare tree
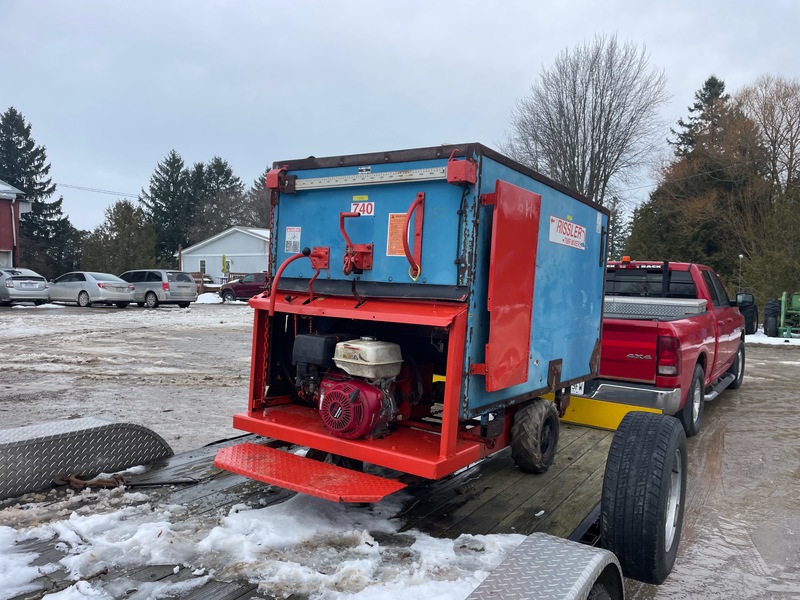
x: 773, y: 103
x: 591, y: 121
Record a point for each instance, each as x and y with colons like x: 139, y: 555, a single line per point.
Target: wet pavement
x: 183, y: 373
x: 741, y: 531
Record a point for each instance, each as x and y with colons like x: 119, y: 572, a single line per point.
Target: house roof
x: 9, y: 192
x: 262, y: 234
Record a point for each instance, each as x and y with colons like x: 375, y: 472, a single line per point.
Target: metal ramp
x: 305, y: 475
x: 31, y: 457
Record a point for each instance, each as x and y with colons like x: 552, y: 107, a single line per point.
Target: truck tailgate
x: 629, y: 350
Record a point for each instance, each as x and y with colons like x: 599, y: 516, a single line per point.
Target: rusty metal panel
x: 515, y: 235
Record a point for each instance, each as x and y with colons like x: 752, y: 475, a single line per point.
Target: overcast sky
x: 111, y: 87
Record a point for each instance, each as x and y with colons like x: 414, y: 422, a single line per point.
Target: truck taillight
x: 669, y: 356
x: 165, y: 286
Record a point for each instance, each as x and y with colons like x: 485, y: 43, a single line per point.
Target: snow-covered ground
x: 305, y: 545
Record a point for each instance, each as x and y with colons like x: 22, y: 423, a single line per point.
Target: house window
x: 203, y: 265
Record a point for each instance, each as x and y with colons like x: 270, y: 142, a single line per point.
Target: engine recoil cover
x: 351, y: 408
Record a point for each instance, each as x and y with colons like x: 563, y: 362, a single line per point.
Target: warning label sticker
x: 292, y: 243
x: 567, y: 233
x: 394, y: 243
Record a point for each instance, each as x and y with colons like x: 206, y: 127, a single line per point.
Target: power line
x: 97, y: 190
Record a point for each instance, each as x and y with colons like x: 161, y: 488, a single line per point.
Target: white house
x: 233, y: 251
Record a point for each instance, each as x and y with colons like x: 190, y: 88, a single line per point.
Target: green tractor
x: 782, y: 317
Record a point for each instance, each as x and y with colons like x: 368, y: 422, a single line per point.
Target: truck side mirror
x: 743, y: 299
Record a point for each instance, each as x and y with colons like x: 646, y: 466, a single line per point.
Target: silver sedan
x: 86, y: 288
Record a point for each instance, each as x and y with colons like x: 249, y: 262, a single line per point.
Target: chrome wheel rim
x: 673, y: 502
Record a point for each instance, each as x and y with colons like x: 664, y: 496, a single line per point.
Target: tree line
x: 180, y: 207
x: 727, y: 194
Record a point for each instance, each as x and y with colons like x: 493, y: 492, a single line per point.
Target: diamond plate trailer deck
x: 490, y: 497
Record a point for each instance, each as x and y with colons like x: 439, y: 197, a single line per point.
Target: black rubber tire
x: 771, y: 326
x: 534, y: 435
x: 644, y: 492
x: 183, y: 304
x: 737, y: 368
x: 335, y: 459
x: 140, y: 304
x: 151, y: 300
x: 772, y: 313
x: 228, y: 296
x: 122, y: 304
x: 691, y: 415
x: 750, y: 314
x: 37, y: 302
x: 599, y: 592
x: 83, y: 300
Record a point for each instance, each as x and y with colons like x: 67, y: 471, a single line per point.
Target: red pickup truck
x: 671, y: 339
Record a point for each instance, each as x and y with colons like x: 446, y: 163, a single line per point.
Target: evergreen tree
x: 124, y: 241
x: 219, y: 198
x: 256, y: 209
x: 66, y: 248
x: 705, y: 114
x: 618, y: 229
x: 168, y: 207
x: 46, y: 237
x: 23, y: 164
x: 692, y: 215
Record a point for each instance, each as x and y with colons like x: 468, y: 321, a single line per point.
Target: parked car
x: 86, y: 288
x: 245, y: 287
x: 23, y: 285
x: 161, y: 286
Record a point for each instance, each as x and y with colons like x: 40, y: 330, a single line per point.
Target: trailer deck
x: 492, y: 496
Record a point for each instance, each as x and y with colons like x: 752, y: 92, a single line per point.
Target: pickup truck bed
x: 492, y: 496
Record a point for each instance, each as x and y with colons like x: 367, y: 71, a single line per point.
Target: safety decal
x: 292, y: 243
x: 394, y: 239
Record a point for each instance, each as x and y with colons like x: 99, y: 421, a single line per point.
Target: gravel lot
x: 181, y: 372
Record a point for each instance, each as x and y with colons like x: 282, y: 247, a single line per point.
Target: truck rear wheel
x: 691, y: 415
x: 737, y: 368
x: 534, y: 435
x: 644, y: 489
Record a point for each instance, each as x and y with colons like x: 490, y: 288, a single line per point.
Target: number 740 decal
x: 364, y: 208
